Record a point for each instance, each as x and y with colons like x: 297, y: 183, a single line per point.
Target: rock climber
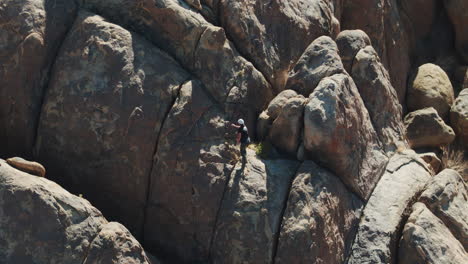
x: 242, y: 136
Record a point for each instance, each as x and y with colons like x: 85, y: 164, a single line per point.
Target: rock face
x: 432, y: 240
x: 425, y: 128
x: 456, y: 12
x: 430, y: 87
x: 263, y: 31
x: 447, y: 197
x: 106, y: 102
x: 432, y: 160
x: 319, y: 60
x: 459, y: 116
x: 377, y: 236
x: 380, y: 98
x: 31, y: 32
x: 349, y: 43
x: 251, y: 212
x: 190, y: 171
x: 65, y: 228
x: 338, y: 133
x: 320, y: 219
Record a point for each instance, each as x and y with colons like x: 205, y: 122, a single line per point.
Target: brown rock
x: 380, y: 98
x: 425, y: 128
x: 276, y: 105
x: 459, y: 117
x: 447, y: 197
x: 109, y: 94
x: 320, y: 219
x: 250, y: 216
x: 456, y: 10
x: 263, y: 31
x: 377, y: 236
x: 191, y: 168
x: 31, y: 33
x: 286, y: 130
x: 432, y: 160
x: 27, y: 166
x: 422, y: 15
x: 349, y: 43
x: 319, y: 60
x: 338, y: 133
x: 430, y: 87
x: 425, y: 239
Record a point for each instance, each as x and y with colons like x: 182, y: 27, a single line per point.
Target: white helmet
x: 240, y: 121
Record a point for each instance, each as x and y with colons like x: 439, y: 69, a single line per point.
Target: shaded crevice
x: 88, y: 249
x: 153, y: 159
x: 281, y: 216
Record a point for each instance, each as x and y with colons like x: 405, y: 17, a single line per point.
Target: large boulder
x: 31, y: 32
x: 425, y: 128
x: 320, y: 219
x: 339, y: 134
x: 42, y: 223
x: 286, y: 130
x: 377, y: 236
x: 447, y: 197
x: 191, y: 169
x: 425, y: 239
x: 249, y: 219
x: 200, y: 47
x: 459, y: 117
x: 456, y: 10
x: 349, y: 43
x: 380, y: 98
x: 430, y: 87
x: 263, y: 31
x: 109, y: 94
x: 319, y: 60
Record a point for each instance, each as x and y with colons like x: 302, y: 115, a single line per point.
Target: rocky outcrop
x: 338, y: 133
x: 320, y: 219
x: 251, y: 212
x: 432, y: 240
x: 109, y: 94
x: 382, y: 218
x: 380, y: 98
x: 447, y: 197
x: 456, y: 12
x: 319, y: 60
x: 430, y: 87
x: 459, y: 116
x: 349, y: 43
x: 40, y: 222
x: 432, y: 160
x: 191, y: 168
x: 263, y: 31
x: 31, y: 34
x: 425, y: 128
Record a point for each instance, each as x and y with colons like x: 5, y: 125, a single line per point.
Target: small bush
x: 454, y: 158
x: 262, y: 149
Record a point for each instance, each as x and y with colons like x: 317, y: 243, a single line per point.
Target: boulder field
x: 117, y: 144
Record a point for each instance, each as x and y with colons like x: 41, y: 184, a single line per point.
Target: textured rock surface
x: 380, y: 98
x: 425, y: 239
x: 191, y: 167
x: 286, y: 130
x: 459, y: 116
x: 447, y: 197
x: 432, y: 160
x: 338, y: 132
x: 425, y: 128
x: 319, y: 60
x: 456, y: 12
x: 108, y: 96
x: 430, y: 87
x: 30, y: 34
x: 251, y: 212
x: 40, y: 222
x: 349, y: 43
x: 377, y: 236
x: 320, y: 219
x: 263, y: 31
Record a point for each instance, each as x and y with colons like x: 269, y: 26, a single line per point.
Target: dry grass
x: 455, y: 158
